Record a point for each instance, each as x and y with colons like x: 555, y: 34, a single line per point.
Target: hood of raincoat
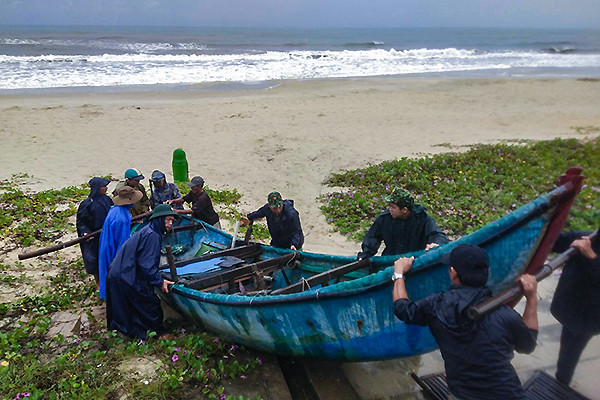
x: 95, y: 184
x: 452, y: 308
x: 158, y: 225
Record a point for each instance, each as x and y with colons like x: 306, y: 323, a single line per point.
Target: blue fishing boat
x: 305, y: 304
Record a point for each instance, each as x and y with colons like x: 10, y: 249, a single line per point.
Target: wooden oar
x: 62, y: 245
x: 516, y: 291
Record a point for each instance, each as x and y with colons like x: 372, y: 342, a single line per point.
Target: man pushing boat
x: 283, y: 222
x: 476, y: 353
x: 404, y: 227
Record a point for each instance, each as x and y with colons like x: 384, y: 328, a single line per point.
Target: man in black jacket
x: 404, y: 227
x: 283, y: 222
x: 476, y: 354
x: 576, y: 302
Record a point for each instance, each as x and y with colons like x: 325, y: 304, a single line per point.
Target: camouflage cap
x: 275, y: 200
x: 400, y: 197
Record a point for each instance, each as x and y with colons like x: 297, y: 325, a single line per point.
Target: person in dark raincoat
x: 477, y: 354
x: 576, y: 302
x: 90, y: 218
x: 163, y: 191
x: 283, y: 222
x: 132, y: 307
x: 404, y: 227
x: 115, y: 231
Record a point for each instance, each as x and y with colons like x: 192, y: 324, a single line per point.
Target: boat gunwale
x: 267, y: 299
x: 547, y: 200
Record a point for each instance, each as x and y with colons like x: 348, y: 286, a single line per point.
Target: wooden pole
x: 62, y: 245
x: 248, y: 232
x: 515, y: 291
x: 171, y: 260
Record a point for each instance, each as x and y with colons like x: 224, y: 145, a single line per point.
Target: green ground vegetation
x: 464, y: 190
x: 90, y: 365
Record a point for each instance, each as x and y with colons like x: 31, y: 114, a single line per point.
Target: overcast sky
x: 306, y: 13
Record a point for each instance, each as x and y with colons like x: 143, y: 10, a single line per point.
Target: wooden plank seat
x: 240, y: 273
x: 322, y: 278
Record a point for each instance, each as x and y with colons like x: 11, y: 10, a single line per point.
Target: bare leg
x: 97, y: 279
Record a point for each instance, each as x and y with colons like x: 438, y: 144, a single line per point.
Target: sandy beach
x: 290, y: 138
x: 287, y: 138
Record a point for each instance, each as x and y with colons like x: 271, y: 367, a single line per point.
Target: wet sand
x: 290, y: 138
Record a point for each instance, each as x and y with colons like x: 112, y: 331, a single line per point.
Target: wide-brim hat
x: 162, y: 210
x: 127, y: 195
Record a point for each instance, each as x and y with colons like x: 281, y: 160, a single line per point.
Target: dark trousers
x: 571, y: 347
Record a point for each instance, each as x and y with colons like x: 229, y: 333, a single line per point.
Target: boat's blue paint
x: 352, y: 320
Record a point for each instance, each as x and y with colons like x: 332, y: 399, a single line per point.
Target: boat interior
x: 245, y: 270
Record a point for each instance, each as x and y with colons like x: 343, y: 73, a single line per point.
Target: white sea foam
x: 146, y: 68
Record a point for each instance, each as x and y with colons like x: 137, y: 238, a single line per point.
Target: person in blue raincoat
x: 90, y: 218
x: 115, y: 231
x: 132, y: 307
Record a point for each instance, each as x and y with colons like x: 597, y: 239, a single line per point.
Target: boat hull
x: 354, y: 320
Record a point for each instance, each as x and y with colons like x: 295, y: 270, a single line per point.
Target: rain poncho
x: 576, y: 304
x: 115, y: 231
x: 131, y: 306
x: 90, y: 217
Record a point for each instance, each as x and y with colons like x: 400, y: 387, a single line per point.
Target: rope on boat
x: 304, y: 282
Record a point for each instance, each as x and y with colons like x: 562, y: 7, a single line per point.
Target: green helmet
x: 133, y: 173
x: 162, y: 210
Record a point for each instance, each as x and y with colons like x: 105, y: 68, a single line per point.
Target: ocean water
x: 42, y: 58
